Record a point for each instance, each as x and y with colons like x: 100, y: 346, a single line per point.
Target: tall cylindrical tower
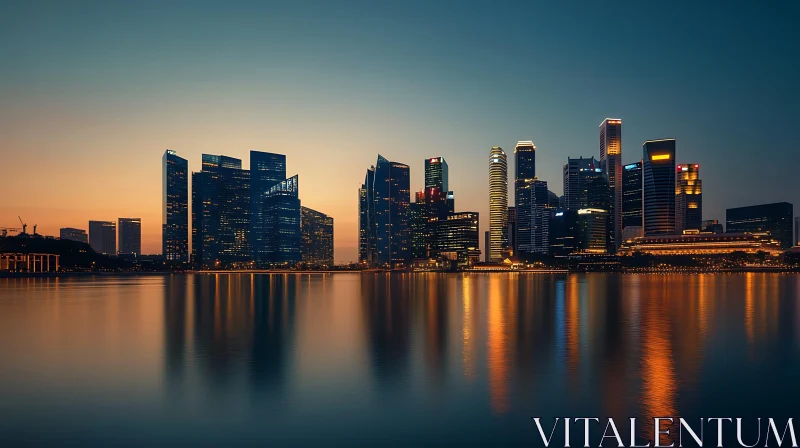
x: 498, y: 202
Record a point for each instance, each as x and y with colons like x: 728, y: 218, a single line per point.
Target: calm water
x: 386, y: 359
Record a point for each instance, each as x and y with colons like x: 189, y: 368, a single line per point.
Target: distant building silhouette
x: 611, y: 162
x: 130, y: 236
x: 689, y: 198
x: 775, y: 219
x: 175, y: 207
x: 658, y: 173
x: 72, y: 234
x: 103, y: 237
x: 498, y: 203
x: 711, y: 226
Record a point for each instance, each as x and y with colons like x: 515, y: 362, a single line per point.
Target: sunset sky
x: 92, y: 93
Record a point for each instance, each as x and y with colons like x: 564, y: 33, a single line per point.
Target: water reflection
x: 467, y: 357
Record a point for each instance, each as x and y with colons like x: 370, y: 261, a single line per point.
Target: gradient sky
x: 91, y: 93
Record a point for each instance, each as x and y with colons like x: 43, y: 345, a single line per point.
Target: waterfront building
x: 592, y: 231
x: 774, y: 219
x: 73, y: 234
x: 711, y: 226
x: 103, y: 237
x: 498, y: 203
x: 266, y: 170
x: 688, y: 198
x: 632, y: 196
x: 697, y: 243
x: 577, y: 174
x: 457, y: 237
x: 658, y: 196
x: 282, y: 229
x: 392, y: 195
x: 174, y: 207
x: 316, y: 230
x: 130, y: 236
x: 510, y: 233
x: 418, y: 228
x: 524, y: 175
x: 366, y: 220
x: 611, y: 163
x: 564, y: 232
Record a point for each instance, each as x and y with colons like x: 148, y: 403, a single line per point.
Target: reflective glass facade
x: 103, y: 237
x: 282, y: 231
x: 130, y: 236
x: 775, y: 219
x: 632, y: 195
x: 658, y: 173
x: 577, y: 173
x: 316, y: 230
x: 392, y: 198
x: 611, y: 162
x: 266, y: 170
x: 175, y: 207
x: 688, y: 198
x: 524, y: 175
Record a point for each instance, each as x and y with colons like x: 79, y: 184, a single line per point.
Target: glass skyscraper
x: 658, y: 173
x: 366, y: 220
x: 632, y: 196
x: 384, y: 203
x: 175, y: 207
x: 130, y: 236
x: 688, y: 198
x: 436, y: 174
x: 539, y: 232
x: 282, y: 234
x: 611, y: 163
x: 775, y: 219
x: 457, y: 237
x: 103, y: 237
x: 524, y: 175
x: 498, y: 203
x: 316, y: 230
x: 577, y: 174
x: 266, y: 171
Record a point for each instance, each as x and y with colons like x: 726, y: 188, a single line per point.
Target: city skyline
x: 91, y: 118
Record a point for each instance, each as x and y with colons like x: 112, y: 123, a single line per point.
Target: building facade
x: 266, y: 170
x: 316, y: 230
x: 457, y: 237
x: 436, y: 174
x: 130, y: 236
x: 282, y: 233
x: 392, y: 195
x: 632, y: 198
x: 577, y: 174
x: 774, y: 219
x: 688, y: 198
x: 611, y: 162
x: 524, y: 175
x: 174, y: 207
x: 73, y: 234
x: 103, y: 237
x: 498, y: 202
x: 658, y: 184
x: 366, y: 220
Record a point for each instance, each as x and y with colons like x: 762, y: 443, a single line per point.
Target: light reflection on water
x: 386, y: 359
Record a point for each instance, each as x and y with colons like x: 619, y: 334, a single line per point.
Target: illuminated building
x: 418, y: 227
x: 510, y: 233
x: 103, y: 237
x: 539, y: 232
x: 72, y: 234
x: 697, y: 243
x: 564, y: 235
x: 577, y: 173
x: 711, y: 226
x: 456, y: 237
x: 598, y: 197
x: 316, y: 232
x: 524, y: 174
x: 366, y: 220
x: 632, y: 197
x: 658, y: 195
x: 436, y: 173
x: 688, y: 198
x: 775, y: 219
x: 130, y: 236
x: 174, y: 207
x: 611, y: 162
x: 498, y: 202
x: 592, y: 231
x: 282, y: 226
x: 392, y: 193
x: 266, y: 171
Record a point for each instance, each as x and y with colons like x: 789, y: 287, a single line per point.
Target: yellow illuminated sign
x: 660, y: 157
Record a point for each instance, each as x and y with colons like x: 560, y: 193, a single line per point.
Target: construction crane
x: 34, y: 228
x: 24, y: 226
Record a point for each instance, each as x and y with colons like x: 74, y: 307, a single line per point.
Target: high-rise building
x: 418, y: 228
x: 498, y: 202
x: 73, y: 234
x: 436, y: 174
x: 540, y: 218
x: 564, y: 235
x: 457, y: 237
x: 316, y: 230
x: 103, y: 237
x: 611, y: 161
x: 774, y: 219
x: 366, y: 220
x: 486, y: 246
x: 130, y: 236
x: 510, y: 234
x: 524, y: 174
x: 632, y: 199
x: 577, y: 174
x: 598, y: 197
x: 593, y: 231
x: 175, y: 207
x: 221, y: 213
x: 392, y: 193
x: 688, y: 198
x: 266, y: 171
x: 658, y: 196
x: 282, y: 234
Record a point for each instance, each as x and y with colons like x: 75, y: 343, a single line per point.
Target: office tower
x: 266, y: 171
x: 598, y: 197
x: 510, y: 232
x: 418, y: 228
x: 688, y: 198
x: 593, y: 231
x: 632, y: 200
x: 221, y: 213
x: 175, y: 207
x: 775, y: 219
x: 539, y: 232
x: 524, y: 174
x: 392, y: 192
x: 498, y: 202
x: 611, y: 162
x: 711, y: 226
x: 577, y: 173
x: 797, y: 230
x: 103, y: 237
x: 564, y: 237
x: 436, y: 174
x: 282, y: 235
x: 366, y: 219
x: 451, y: 202
x: 486, y: 243
x: 130, y: 236
x: 457, y: 237
x: 316, y: 230
x: 72, y: 234
x: 658, y: 196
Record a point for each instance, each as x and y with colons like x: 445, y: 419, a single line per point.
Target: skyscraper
x: 392, y: 193
x: 366, y: 219
x: 632, y: 197
x: 175, y: 207
x: 103, y: 237
x: 266, y: 171
x: 658, y: 197
x: 72, y: 234
x: 510, y: 234
x: 539, y: 233
x: 774, y: 219
x: 524, y: 174
x: 316, y: 231
x: 577, y: 173
x: 457, y: 237
x: 688, y: 198
x: 498, y: 202
x: 130, y: 236
x: 593, y: 231
x: 611, y: 161
x: 418, y: 227
x: 436, y: 174
x: 282, y: 235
